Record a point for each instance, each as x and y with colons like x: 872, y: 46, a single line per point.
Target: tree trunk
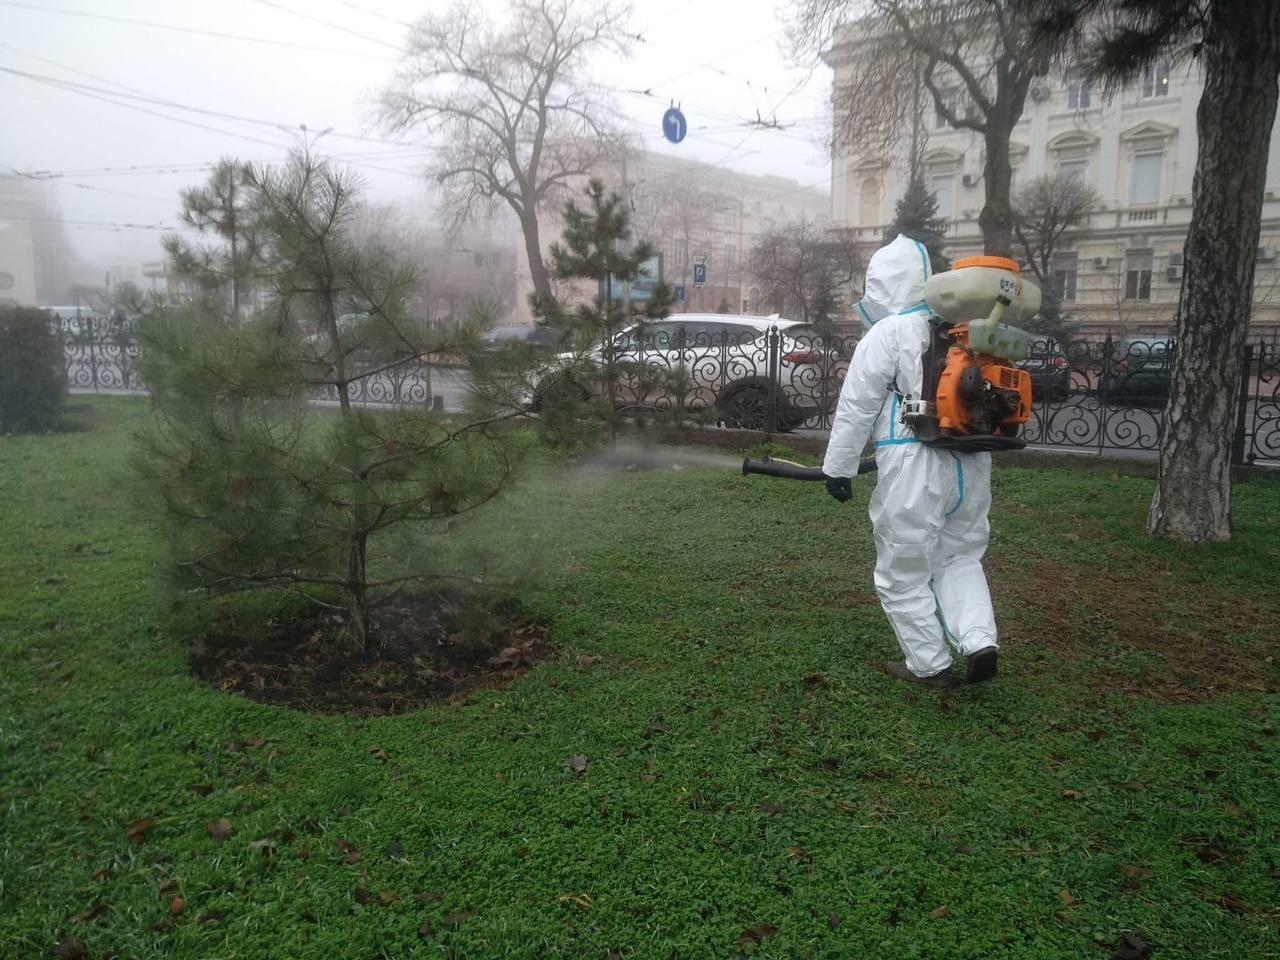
x: 996, y: 219
x: 235, y: 276
x: 1241, y: 59
x: 533, y: 249
x: 358, y: 593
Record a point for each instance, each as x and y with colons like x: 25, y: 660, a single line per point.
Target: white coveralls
x: 929, y: 509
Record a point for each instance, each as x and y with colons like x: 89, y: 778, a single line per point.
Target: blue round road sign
x: 674, y: 125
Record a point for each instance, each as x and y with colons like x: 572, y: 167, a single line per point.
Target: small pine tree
x: 607, y: 379
x: 916, y: 216
x: 258, y: 488
x: 224, y: 273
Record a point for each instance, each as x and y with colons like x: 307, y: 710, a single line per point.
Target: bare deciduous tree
x: 1045, y: 210
x: 975, y: 58
x: 679, y: 208
x: 802, y: 269
x: 512, y: 116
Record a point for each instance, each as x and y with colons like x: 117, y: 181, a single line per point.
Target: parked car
x: 1050, y: 372
x: 536, y: 338
x: 1138, y: 370
x: 721, y: 361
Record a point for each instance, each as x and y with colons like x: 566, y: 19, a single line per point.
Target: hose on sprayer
x: 769, y: 467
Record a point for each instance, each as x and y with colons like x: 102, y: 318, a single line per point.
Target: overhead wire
x: 220, y: 34
x: 329, y: 23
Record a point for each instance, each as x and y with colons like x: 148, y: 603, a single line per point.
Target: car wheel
x: 746, y: 408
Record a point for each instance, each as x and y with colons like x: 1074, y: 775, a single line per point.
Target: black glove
x: 841, y: 488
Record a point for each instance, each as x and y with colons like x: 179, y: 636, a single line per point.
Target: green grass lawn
x: 755, y: 785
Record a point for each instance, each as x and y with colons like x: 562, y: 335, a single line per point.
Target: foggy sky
x: 48, y: 129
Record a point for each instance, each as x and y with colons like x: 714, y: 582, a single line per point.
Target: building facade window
x: 869, y: 203
x: 730, y: 258
x: 1064, y: 280
x: 951, y: 99
x: 681, y: 252
x: 1148, y: 166
x: 1155, y: 80
x: 1137, y: 277
x: 944, y: 188
x: 1077, y: 89
x: 1073, y: 165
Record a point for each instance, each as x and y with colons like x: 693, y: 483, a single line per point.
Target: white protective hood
x: 896, y: 277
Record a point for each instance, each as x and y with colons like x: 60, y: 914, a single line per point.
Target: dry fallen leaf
x: 1209, y: 853
x: 388, y: 897
x: 69, y: 948
x: 360, y: 895
x: 138, y: 829
x: 220, y: 829
x: 97, y: 910
x: 1135, y: 872
x: 940, y: 912
x: 756, y: 934
x: 456, y: 919
x: 577, y: 763
x: 1065, y: 897
x: 176, y: 906
x: 378, y: 753
x: 1072, y: 794
x: 101, y: 873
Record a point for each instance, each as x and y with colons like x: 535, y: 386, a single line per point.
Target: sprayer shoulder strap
x: 935, y: 358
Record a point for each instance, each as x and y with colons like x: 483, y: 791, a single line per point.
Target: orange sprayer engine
x: 974, y: 398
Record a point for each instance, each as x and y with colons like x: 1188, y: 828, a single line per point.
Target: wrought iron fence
x: 1098, y: 395
x: 101, y: 355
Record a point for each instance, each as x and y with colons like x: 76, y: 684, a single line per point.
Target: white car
x: 722, y: 361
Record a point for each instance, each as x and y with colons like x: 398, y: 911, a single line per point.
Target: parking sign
x: 700, y: 272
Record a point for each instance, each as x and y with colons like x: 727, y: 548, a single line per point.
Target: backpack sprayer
x: 979, y: 398
x: 973, y: 397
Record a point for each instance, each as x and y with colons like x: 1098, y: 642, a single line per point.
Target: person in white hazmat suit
x: 929, y: 509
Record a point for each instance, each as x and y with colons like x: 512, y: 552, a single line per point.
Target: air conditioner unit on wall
x: 1175, y: 258
x: 1173, y: 273
x: 1266, y: 253
x: 970, y: 179
x: 1100, y: 263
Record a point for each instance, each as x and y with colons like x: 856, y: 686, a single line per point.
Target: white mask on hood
x: 895, y: 279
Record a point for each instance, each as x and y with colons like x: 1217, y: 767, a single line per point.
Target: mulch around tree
x: 432, y: 647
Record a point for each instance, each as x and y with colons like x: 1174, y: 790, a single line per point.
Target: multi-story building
x: 1122, y: 270
x: 19, y: 212
x: 697, y: 212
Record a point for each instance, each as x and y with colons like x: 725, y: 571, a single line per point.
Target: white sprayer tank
x: 972, y: 292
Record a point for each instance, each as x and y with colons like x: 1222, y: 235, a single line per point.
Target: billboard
x: 641, y: 287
